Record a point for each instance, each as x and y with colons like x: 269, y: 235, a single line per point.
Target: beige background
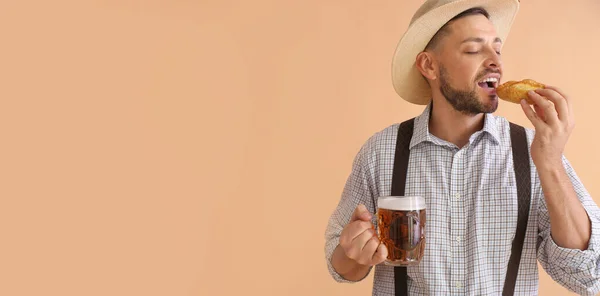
x: 178, y: 147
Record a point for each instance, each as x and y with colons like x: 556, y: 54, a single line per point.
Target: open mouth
x: 489, y: 83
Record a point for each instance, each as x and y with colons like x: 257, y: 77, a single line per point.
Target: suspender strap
x: 522, y: 170
x: 405, y: 132
x: 520, y: 154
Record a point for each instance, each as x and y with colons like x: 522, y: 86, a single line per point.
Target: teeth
x: 491, y: 79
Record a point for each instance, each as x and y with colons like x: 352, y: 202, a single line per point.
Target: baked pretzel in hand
x: 515, y: 91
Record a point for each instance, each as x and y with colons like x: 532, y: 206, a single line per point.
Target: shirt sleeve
x: 577, y: 270
x: 356, y: 191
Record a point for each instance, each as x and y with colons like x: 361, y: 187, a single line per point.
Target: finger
x: 354, y: 229
x: 361, y: 213
x: 549, y: 111
x: 567, y: 98
x: 380, y: 255
x: 359, y: 242
x: 559, y: 91
x: 369, y: 250
x: 560, y: 103
x: 531, y: 115
x: 540, y: 112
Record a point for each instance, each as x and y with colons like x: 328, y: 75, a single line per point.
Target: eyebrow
x: 480, y: 40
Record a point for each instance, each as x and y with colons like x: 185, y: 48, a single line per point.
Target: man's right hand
x: 359, y: 240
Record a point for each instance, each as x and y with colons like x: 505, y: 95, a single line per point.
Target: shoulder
x: 381, y: 142
x: 384, y: 136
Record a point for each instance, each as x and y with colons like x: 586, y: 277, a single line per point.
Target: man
x: 462, y: 164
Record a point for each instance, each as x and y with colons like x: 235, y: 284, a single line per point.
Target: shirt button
x: 456, y: 196
x: 459, y: 239
x: 458, y: 285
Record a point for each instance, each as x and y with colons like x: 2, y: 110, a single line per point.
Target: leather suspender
x: 405, y: 132
x: 520, y: 153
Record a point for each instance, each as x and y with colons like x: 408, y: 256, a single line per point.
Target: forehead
x: 472, y: 26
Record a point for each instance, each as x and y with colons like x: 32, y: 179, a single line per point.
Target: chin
x: 491, y: 104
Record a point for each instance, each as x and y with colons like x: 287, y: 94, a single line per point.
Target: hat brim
x: 406, y: 78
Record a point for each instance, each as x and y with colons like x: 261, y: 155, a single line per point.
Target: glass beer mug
x: 401, y: 228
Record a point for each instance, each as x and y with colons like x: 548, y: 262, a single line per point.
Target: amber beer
x: 401, y: 228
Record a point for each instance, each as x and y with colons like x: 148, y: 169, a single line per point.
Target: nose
x: 494, y: 61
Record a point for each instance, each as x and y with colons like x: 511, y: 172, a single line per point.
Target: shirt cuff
x: 575, y: 259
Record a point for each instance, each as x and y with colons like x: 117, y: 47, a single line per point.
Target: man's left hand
x: 553, y: 121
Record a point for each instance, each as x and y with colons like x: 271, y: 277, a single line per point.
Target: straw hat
x: 429, y: 18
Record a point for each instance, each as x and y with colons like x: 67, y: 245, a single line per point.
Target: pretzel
x: 515, y: 91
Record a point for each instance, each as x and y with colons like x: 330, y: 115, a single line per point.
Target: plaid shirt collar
x: 421, y: 130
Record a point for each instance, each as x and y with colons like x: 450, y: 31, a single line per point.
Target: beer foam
x: 409, y: 203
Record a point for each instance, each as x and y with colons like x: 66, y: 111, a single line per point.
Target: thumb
x: 380, y: 255
x: 361, y: 213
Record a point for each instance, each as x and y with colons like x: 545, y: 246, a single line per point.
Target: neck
x: 451, y: 125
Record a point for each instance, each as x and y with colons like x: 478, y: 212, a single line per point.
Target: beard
x: 466, y: 102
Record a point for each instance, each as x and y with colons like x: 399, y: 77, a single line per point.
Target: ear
x: 426, y: 64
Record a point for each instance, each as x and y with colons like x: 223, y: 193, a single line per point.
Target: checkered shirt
x: 471, y: 200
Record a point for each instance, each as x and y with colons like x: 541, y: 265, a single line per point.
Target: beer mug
x: 401, y: 228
